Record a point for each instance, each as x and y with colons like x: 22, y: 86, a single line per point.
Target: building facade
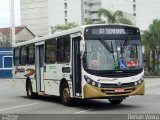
x: 34, y: 15
x: 6, y: 62
x: 145, y: 11
x: 22, y: 33
x: 42, y: 15
x: 6, y: 52
x: 127, y: 6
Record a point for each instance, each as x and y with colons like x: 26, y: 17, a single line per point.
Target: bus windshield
x: 102, y: 54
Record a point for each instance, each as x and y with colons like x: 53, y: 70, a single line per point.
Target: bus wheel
x: 30, y: 92
x: 65, y: 95
x: 115, y: 102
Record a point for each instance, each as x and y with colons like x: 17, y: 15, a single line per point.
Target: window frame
x: 33, y: 54
x: 22, y: 55
x: 18, y: 56
x: 64, y: 39
x: 55, y: 43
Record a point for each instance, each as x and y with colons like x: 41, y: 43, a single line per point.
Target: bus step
x: 41, y: 93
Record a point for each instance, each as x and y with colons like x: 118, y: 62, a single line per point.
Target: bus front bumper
x: 95, y: 92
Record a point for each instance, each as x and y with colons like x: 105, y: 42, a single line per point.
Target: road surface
x: 13, y: 100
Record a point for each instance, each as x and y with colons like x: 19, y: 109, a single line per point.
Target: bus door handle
x: 44, y: 68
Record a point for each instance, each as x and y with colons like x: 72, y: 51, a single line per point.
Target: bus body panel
x: 94, y: 92
x: 51, y: 75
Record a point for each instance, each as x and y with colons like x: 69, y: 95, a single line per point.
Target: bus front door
x: 39, y: 62
x: 76, y: 66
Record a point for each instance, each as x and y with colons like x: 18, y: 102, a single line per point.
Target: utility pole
x: 13, y: 40
x: 82, y: 12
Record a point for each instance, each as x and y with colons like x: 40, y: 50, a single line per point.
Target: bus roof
x: 65, y: 32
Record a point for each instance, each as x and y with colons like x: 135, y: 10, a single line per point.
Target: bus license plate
x: 119, y: 90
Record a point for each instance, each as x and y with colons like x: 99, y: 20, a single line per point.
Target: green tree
x: 89, y: 21
x: 64, y: 27
x: 114, y: 17
x: 146, y: 42
x: 151, y: 40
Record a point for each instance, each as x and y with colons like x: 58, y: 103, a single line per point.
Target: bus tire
x: 65, y: 95
x: 115, y: 102
x: 30, y: 92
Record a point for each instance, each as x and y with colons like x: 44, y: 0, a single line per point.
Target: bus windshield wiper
x: 110, y: 49
x: 106, y: 45
x: 125, y: 45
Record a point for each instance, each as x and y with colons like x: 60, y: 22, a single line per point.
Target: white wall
x: 56, y: 12
x: 24, y: 35
x: 123, y: 5
x: 34, y: 15
x: 146, y: 10
x: 74, y: 11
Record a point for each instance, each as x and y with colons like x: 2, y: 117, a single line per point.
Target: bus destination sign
x: 108, y: 31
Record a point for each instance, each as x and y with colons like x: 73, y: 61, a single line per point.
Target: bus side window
x: 24, y: 55
x: 50, y: 48
x: 63, y: 49
x: 31, y: 54
x: 16, y: 56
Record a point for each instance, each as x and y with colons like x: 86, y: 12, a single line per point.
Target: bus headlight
x: 139, y: 81
x: 135, y: 83
x: 92, y: 82
x: 142, y: 78
x: 88, y: 80
x: 99, y: 84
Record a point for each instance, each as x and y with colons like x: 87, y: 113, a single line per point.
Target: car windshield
x: 113, y: 55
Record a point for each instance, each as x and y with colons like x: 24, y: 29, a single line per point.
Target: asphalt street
x: 13, y: 100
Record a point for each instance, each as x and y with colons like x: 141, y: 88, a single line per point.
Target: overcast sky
x: 147, y: 10
x: 5, y: 13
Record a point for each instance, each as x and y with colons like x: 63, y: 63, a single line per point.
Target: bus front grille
x: 112, y: 91
x: 115, y: 85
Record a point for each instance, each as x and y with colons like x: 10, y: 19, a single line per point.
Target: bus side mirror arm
x: 82, y: 45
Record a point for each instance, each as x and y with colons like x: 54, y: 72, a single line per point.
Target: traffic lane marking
x: 15, y: 107
x: 83, y: 111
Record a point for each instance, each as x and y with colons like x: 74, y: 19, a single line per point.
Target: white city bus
x: 94, y: 61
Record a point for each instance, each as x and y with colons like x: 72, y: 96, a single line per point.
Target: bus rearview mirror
x: 82, y: 45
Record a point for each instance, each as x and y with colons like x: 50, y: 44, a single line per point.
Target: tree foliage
x: 151, y: 40
x: 114, y: 17
x: 64, y: 27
